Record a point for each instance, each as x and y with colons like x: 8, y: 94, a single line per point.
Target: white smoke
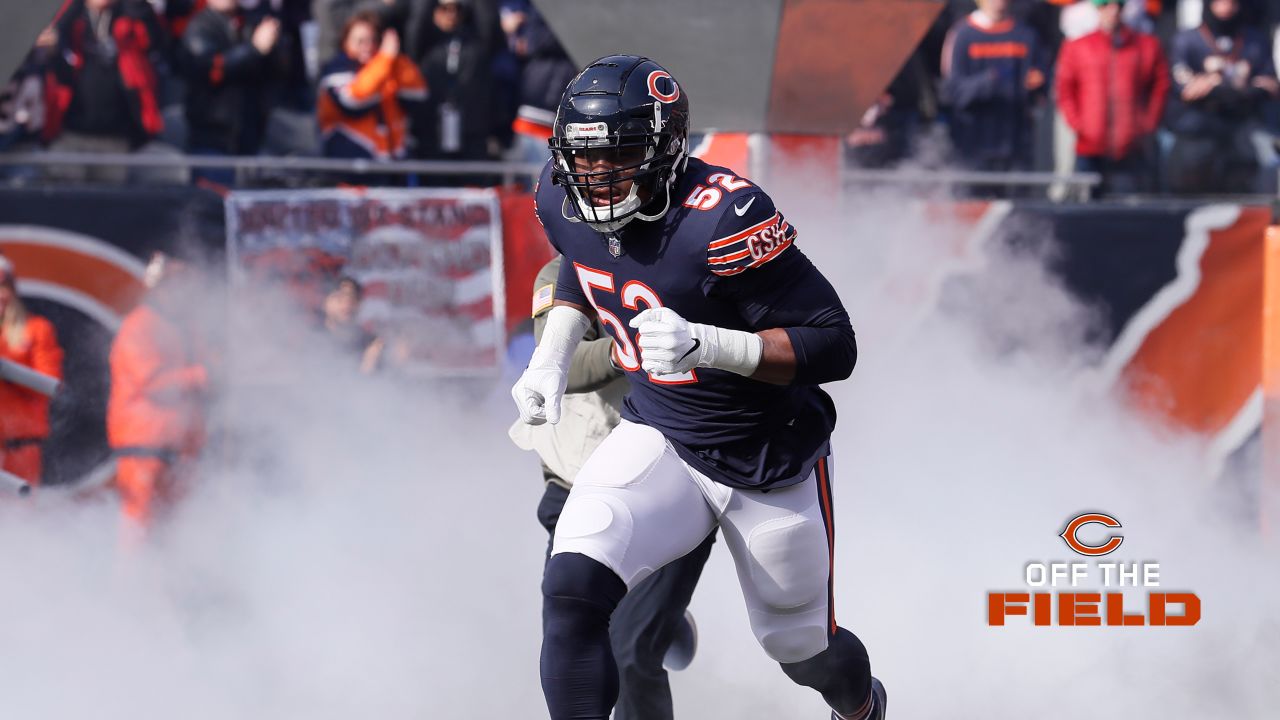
x: 369, y: 548
x: 970, y: 433
x: 354, y: 548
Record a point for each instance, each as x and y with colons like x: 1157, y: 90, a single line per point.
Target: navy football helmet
x: 624, y: 118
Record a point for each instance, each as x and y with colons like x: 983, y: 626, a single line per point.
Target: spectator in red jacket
x: 1111, y: 86
x: 101, y: 86
x: 27, y: 340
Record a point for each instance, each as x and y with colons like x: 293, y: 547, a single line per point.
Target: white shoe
x: 683, y: 645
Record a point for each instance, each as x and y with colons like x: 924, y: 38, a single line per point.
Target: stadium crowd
x: 1106, y: 86
x: 376, y: 79
x: 1176, y: 97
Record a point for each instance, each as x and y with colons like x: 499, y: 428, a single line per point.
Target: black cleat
x: 879, y: 703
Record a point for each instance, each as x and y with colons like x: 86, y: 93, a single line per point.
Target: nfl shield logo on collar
x: 615, y: 245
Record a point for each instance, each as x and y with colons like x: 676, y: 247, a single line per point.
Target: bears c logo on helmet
x: 667, y: 97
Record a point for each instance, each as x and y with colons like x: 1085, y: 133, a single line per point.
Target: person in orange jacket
x: 367, y: 93
x: 159, y: 391
x: 28, y: 340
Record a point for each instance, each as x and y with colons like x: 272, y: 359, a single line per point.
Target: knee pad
x: 575, y: 580
x: 782, y: 578
x: 596, y: 525
x: 791, y: 642
x: 788, y: 566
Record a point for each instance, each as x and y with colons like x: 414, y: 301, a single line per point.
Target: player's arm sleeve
x: 795, y: 296
x: 774, y: 285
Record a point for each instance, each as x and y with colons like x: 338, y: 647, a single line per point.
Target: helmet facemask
x: 647, y: 159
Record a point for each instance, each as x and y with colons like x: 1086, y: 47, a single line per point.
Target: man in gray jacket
x: 651, y: 625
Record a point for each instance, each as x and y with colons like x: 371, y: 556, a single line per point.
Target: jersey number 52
x: 706, y: 197
x: 633, y: 292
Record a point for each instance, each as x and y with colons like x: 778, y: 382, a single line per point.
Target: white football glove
x: 538, y: 391
x: 541, y: 387
x: 670, y: 345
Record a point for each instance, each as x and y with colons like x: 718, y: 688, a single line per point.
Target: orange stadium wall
x: 1179, y: 294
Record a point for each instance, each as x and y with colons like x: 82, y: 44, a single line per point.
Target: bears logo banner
x: 79, y: 255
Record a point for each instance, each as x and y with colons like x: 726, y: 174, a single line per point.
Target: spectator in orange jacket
x: 159, y: 390
x: 367, y: 93
x: 28, y: 340
x: 1112, y: 85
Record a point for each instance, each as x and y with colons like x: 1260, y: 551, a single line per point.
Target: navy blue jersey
x: 722, y: 255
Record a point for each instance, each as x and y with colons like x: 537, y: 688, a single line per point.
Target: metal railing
x: 1075, y: 186
x: 1070, y: 185
x: 962, y: 177
x: 508, y: 172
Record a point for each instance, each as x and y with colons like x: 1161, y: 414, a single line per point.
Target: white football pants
x: 636, y: 506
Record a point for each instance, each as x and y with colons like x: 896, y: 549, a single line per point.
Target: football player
x: 651, y: 630
x: 726, y: 331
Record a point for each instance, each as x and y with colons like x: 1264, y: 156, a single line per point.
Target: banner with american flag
x: 429, y: 261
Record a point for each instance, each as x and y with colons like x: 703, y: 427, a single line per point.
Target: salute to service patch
x: 543, y: 297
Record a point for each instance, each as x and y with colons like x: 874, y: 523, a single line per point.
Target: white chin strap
x: 677, y: 167
x: 666, y: 205
x: 597, y: 216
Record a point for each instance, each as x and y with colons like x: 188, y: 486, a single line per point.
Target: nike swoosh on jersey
x: 743, y: 210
